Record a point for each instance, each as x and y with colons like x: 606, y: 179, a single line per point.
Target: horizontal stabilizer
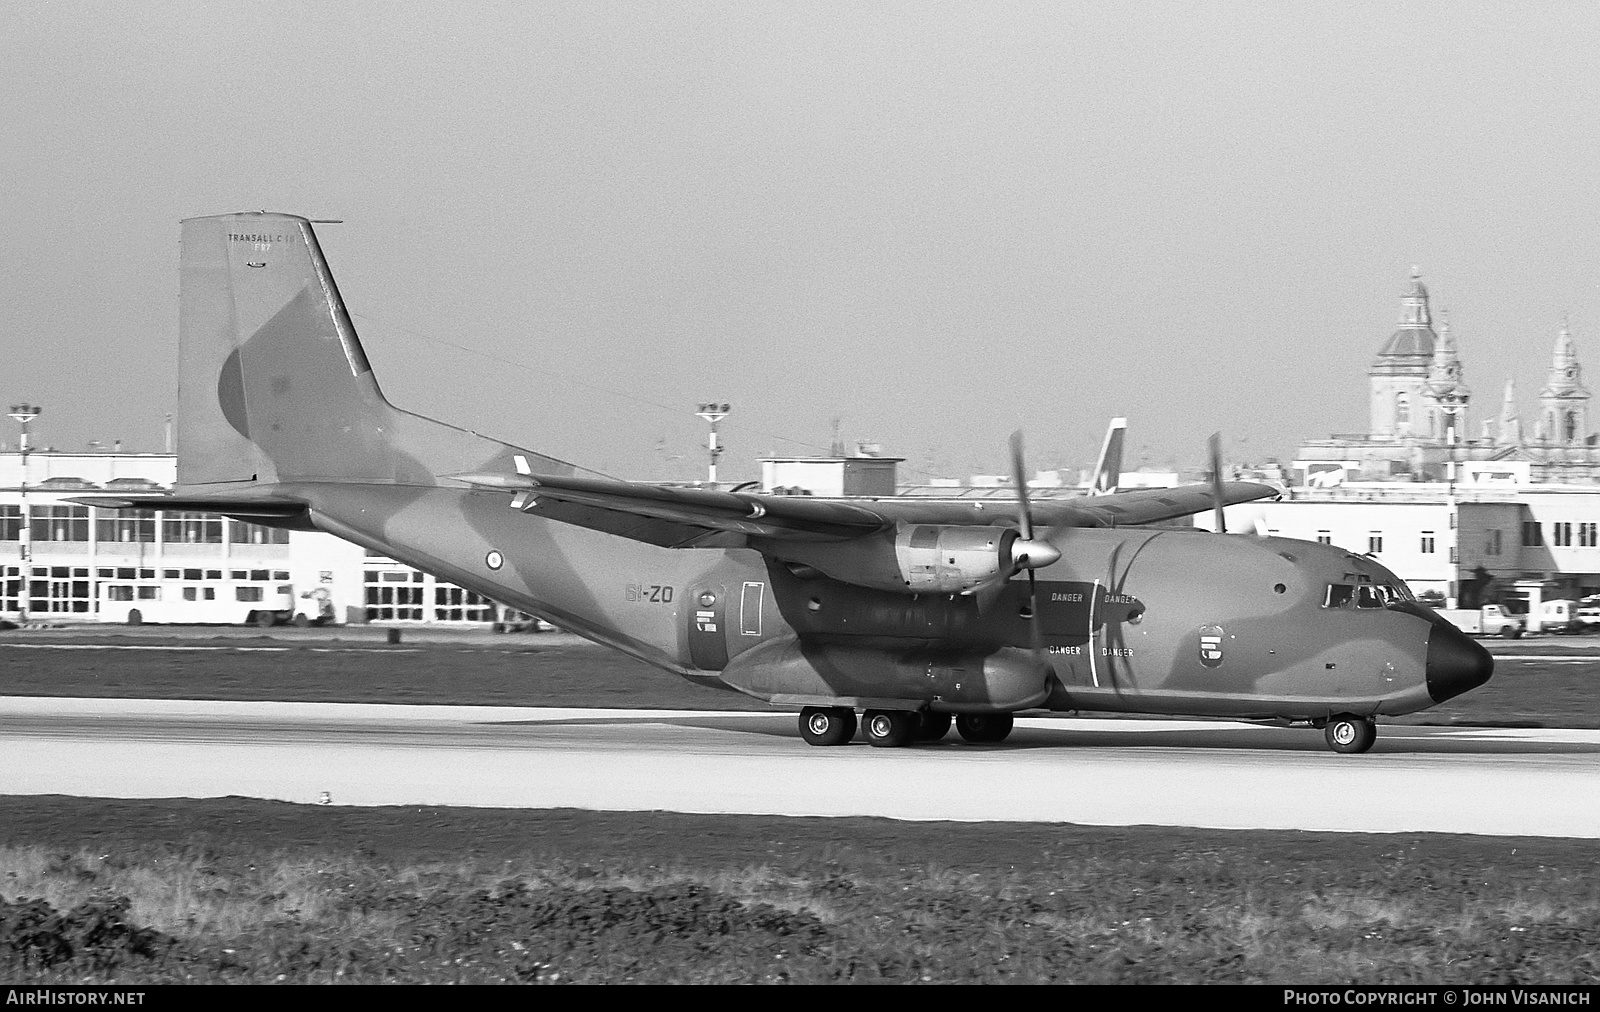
x: 270, y: 508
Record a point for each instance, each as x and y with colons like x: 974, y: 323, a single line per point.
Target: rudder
x: 273, y: 382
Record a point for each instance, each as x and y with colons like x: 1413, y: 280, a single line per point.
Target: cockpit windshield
x: 1368, y: 596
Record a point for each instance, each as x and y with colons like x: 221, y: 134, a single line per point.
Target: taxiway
x: 1524, y: 782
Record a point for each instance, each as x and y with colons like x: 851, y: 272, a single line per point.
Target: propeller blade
x: 1020, y: 480
x: 1216, y: 481
x: 988, y: 593
x: 1036, y: 632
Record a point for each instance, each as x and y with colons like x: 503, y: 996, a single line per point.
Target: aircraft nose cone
x: 1456, y: 663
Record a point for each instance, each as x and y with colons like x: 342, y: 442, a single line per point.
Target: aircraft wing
x: 678, y: 515
x: 1150, y: 505
x: 766, y: 516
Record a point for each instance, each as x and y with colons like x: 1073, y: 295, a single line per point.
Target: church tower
x: 1510, y: 433
x: 1400, y: 371
x: 1446, y: 393
x: 1564, y: 419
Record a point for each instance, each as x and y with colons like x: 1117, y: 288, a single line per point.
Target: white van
x: 1560, y: 616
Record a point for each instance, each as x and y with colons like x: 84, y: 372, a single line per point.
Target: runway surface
x: 1521, y: 782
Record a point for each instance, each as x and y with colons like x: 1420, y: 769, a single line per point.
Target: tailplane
x: 273, y: 383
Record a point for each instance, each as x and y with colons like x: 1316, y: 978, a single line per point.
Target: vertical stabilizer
x: 1108, y: 470
x: 273, y: 384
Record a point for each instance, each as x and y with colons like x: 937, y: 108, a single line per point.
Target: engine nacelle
x: 948, y: 560
x: 913, y: 559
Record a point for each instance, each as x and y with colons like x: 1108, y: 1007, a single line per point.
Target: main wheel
x: 984, y: 728
x: 932, y: 726
x: 827, y: 725
x: 1351, y: 735
x: 890, y: 728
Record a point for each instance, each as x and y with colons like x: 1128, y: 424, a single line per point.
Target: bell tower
x: 1564, y: 418
x: 1446, y: 392
x: 1400, y: 372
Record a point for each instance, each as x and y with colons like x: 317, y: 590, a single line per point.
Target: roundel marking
x: 494, y: 560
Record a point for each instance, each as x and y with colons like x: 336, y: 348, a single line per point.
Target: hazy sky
x: 568, y: 224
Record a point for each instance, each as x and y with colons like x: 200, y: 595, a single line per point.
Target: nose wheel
x: 1351, y: 735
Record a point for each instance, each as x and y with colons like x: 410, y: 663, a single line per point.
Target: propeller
x: 1027, y: 552
x: 1216, y: 481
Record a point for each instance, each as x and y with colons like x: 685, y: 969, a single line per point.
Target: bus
x: 197, y: 596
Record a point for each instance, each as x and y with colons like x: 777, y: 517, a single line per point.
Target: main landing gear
x: 836, y: 725
x: 1350, y: 735
x: 833, y: 725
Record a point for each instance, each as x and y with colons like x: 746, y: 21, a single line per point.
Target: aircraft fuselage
x: 1158, y: 620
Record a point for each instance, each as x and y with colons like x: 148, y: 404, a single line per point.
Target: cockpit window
x: 1366, y: 595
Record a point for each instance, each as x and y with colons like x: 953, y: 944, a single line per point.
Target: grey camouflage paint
x: 279, y: 410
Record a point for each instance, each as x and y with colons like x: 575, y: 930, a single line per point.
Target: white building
x: 60, y: 560
x: 1456, y: 541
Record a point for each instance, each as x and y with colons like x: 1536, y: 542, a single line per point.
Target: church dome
x: 1410, y: 348
x: 1408, y: 343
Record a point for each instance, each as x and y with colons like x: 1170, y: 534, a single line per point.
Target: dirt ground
x: 252, y: 891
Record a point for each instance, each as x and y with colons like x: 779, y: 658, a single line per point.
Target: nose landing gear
x: 1350, y: 735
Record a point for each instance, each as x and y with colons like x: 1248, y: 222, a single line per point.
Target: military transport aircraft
x: 912, y: 611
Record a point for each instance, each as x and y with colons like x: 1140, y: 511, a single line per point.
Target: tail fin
x: 273, y: 383
x: 1108, y: 470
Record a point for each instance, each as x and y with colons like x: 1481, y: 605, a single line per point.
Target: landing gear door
x: 708, y: 644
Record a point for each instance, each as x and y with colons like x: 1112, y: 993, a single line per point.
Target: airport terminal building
x: 63, y: 561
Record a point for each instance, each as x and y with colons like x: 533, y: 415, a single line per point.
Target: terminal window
x: 241, y: 533
x: 56, y: 595
x: 59, y: 523
x: 453, y: 604
x: 132, y: 526
x: 392, y: 596
x: 1427, y: 542
x: 10, y: 525
x: 191, y: 528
